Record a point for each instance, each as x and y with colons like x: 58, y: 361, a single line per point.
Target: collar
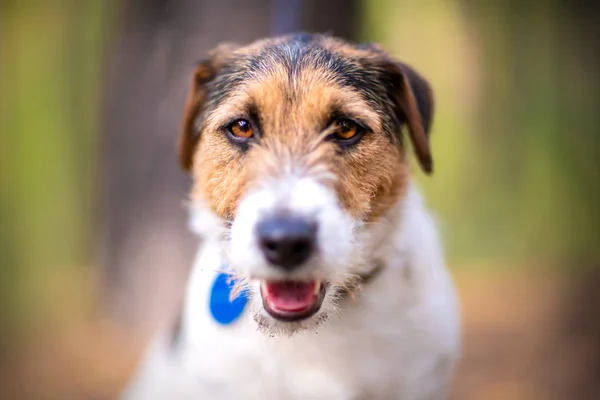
x: 360, y: 281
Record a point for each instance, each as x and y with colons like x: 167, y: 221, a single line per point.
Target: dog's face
x: 295, y: 146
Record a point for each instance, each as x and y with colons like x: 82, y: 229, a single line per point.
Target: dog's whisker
x: 348, y: 290
x: 238, y: 287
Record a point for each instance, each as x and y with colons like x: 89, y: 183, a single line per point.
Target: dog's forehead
x: 301, y: 52
x: 294, y: 65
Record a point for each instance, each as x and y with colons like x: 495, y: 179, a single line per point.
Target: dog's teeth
x: 317, y: 287
x: 263, y: 286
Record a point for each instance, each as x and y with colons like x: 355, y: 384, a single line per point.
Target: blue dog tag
x: 224, y: 310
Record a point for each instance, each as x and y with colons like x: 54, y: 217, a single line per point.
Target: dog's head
x: 295, y: 146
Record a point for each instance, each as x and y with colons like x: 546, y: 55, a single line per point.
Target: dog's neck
x: 362, y: 280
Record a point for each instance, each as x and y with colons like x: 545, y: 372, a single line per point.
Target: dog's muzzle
x: 287, y: 242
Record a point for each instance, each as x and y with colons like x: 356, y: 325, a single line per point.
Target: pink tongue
x: 290, y: 296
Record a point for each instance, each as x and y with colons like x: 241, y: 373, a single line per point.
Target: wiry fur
x: 393, y: 337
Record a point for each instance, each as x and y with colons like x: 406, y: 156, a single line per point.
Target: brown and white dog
x: 302, y: 193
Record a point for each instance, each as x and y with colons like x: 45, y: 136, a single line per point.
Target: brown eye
x: 241, y: 129
x: 346, y: 129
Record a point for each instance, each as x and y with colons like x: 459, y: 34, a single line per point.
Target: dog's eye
x: 347, y: 132
x: 241, y: 129
x: 346, y: 129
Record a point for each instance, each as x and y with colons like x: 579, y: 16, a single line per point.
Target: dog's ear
x: 204, y: 72
x: 414, y: 102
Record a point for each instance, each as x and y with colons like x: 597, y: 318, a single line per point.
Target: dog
x: 320, y: 273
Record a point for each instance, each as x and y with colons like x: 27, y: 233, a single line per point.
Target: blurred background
x: 94, y: 248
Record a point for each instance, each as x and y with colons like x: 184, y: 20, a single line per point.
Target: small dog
x: 320, y: 274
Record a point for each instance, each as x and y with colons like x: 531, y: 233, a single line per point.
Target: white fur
x: 398, y: 339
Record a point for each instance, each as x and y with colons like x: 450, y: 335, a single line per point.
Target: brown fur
x: 293, y: 105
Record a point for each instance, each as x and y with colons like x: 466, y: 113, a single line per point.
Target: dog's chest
x: 367, y: 353
x: 323, y: 364
x: 371, y: 351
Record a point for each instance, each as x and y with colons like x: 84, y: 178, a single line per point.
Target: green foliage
x: 49, y: 109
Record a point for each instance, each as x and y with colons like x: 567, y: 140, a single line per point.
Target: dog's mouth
x: 292, y: 300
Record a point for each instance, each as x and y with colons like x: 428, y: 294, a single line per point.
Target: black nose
x: 286, y: 241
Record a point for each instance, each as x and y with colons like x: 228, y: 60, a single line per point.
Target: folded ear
x: 413, y: 98
x: 204, y: 72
